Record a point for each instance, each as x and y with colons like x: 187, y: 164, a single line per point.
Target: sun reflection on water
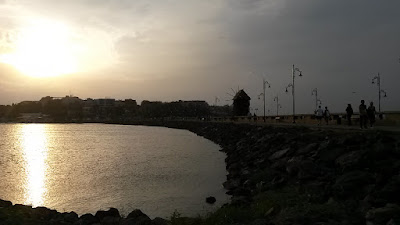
x: 34, y: 148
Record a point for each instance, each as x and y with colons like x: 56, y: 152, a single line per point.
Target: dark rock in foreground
x: 211, y: 200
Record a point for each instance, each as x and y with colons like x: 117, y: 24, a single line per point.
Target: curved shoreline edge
x: 278, y: 175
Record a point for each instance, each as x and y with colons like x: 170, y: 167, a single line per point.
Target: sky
x: 168, y: 50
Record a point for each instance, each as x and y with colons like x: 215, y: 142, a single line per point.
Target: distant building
x: 241, y: 104
x: 70, y: 100
x: 105, y: 102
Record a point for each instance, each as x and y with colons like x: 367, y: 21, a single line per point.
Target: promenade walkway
x: 354, y: 127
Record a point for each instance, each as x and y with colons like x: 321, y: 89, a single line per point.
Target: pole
x: 264, y: 97
x: 294, y: 112
x: 316, y: 99
x: 277, y: 106
x: 379, y: 89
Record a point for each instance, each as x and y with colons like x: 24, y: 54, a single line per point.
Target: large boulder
x: 4, y: 203
x: 159, y: 221
x: 328, y: 155
x: 351, y: 160
x: 355, y: 184
x: 211, y: 200
x: 279, y: 154
x: 43, y: 213
x: 70, y: 217
x: 309, y: 149
x: 24, y: 210
x: 383, y: 215
x: 390, y: 192
x: 87, y: 219
x: 112, y: 212
x: 138, y: 217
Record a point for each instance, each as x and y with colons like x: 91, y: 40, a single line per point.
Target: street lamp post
x: 378, y: 82
x: 263, y: 94
x: 276, y: 99
x: 315, y: 92
x: 292, y: 85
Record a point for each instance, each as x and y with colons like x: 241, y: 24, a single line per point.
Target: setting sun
x: 43, y: 49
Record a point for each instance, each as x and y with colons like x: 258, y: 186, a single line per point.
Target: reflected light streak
x: 34, y: 144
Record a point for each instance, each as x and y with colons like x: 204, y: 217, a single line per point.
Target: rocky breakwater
x: 296, y: 175
x: 21, y: 214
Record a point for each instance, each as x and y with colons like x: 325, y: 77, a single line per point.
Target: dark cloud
x: 185, y: 48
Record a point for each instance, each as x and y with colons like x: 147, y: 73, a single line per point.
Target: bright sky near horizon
x: 198, y: 50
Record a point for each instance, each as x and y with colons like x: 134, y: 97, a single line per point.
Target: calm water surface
x: 87, y: 167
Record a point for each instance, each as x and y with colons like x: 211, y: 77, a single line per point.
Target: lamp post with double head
x: 263, y: 94
x: 315, y: 92
x: 378, y: 82
x: 294, y: 69
x: 276, y: 99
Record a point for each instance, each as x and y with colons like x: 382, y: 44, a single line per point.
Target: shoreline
x: 331, y: 176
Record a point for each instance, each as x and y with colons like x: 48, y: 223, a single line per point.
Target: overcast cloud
x: 169, y: 50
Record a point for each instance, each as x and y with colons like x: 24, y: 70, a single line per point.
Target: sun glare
x: 43, y: 49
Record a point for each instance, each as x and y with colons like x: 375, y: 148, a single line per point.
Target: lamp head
x: 300, y: 75
x: 286, y: 90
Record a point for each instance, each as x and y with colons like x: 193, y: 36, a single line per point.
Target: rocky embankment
x: 296, y: 175
x: 21, y: 214
x: 280, y: 175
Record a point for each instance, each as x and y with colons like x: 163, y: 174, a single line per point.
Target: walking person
x: 371, y: 114
x: 363, y: 115
x: 327, y: 115
x: 349, y: 113
x: 319, y: 113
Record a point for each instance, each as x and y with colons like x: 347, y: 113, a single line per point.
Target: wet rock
x: 139, y: 217
x: 329, y: 155
x: 382, y: 216
x: 393, y: 222
x: 110, y: 220
x: 25, y: 210
x: 390, y: 192
x: 350, y: 160
x: 353, y: 184
x: 260, y: 222
x: 159, y: 221
x: 43, y: 213
x: 278, y: 182
x: 112, y: 212
x: 279, y: 154
x: 70, y: 217
x: 87, y: 219
x: 211, y: 200
x: 308, y: 149
x: 240, y: 192
x: 240, y: 200
x: 302, y: 168
x: 231, y: 184
x: 317, y: 192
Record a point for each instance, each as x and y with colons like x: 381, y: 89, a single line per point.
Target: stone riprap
x: 357, y: 173
x: 288, y: 175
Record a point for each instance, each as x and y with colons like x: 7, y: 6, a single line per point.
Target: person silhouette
x: 349, y: 113
x: 327, y: 115
x: 363, y: 115
x: 371, y: 114
x: 319, y: 113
